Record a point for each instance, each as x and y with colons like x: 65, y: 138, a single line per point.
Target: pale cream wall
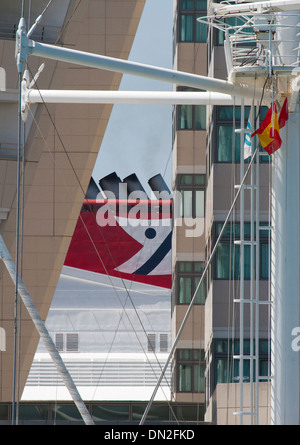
x: 226, y: 402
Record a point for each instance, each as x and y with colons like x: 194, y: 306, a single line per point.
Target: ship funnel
x: 159, y: 187
x: 134, y: 186
x: 110, y: 185
x: 92, y: 191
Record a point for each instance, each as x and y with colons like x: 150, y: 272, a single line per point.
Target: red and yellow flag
x: 268, y: 132
x: 284, y: 114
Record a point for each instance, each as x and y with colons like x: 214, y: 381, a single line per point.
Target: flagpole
x: 285, y: 257
x: 285, y: 277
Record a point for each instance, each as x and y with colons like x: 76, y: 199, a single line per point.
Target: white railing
x: 100, y: 371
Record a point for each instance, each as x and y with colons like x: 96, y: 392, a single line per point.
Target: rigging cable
x: 18, y: 204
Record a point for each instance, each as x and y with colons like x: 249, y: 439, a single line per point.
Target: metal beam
x: 32, y: 96
x: 26, y: 46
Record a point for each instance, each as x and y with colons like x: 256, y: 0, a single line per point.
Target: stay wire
x: 18, y: 204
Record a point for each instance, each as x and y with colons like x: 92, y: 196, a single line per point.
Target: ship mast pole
x: 285, y: 257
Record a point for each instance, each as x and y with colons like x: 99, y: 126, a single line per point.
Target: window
x: 190, y: 30
x: 110, y: 412
x: 228, y: 144
x: 163, y: 342
x: 192, y: 190
x: 72, y: 342
x: 33, y: 412
x: 188, y: 274
x: 190, y: 367
x: 227, y: 368
x: 59, y: 342
x: 191, y: 117
x: 151, y: 342
x: 234, y: 22
x: 227, y: 259
x: 66, y: 342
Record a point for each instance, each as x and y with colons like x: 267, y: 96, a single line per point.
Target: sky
x: 138, y: 138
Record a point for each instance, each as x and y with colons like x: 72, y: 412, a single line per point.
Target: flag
x: 248, y: 141
x: 268, y: 132
x: 284, y: 114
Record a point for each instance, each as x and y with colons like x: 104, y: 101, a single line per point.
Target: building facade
x: 206, y: 172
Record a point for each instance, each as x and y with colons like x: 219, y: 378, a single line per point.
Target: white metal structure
x: 276, y: 35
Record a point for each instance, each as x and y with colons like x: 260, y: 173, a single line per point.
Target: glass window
x: 187, y: 28
x: 264, y: 261
x: 193, y: 4
x: 227, y: 260
x: 186, y: 117
x: 151, y: 342
x: 192, y: 191
x: 33, y: 412
x: 228, y: 118
x: 231, y: 269
x: 200, y: 117
x: 66, y: 412
x: 233, y: 22
x: 200, y: 30
x: 59, y: 342
x: 190, y: 29
x: 227, y: 368
x: 190, y: 371
x: 185, y: 378
x: 264, y: 369
x: 72, y: 342
x: 4, y: 411
x: 228, y: 144
x: 192, y: 117
x: 156, y: 412
x: 163, y: 342
x: 110, y: 412
x: 187, y: 4
x: 188, y: 276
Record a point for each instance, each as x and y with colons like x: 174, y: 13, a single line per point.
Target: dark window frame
x: 194, y: 360
x: 225, y: 355
x: 194, y: 276
x: 192, y: 13
x: 228, y: 237
x: 194, y: 187
x: 232, y: 120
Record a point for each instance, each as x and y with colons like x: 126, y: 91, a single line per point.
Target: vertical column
x: 242, y: 296
x: 285, y: 275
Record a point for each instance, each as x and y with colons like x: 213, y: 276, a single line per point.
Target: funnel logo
x: 124, y: 234
x: 155, y: 255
